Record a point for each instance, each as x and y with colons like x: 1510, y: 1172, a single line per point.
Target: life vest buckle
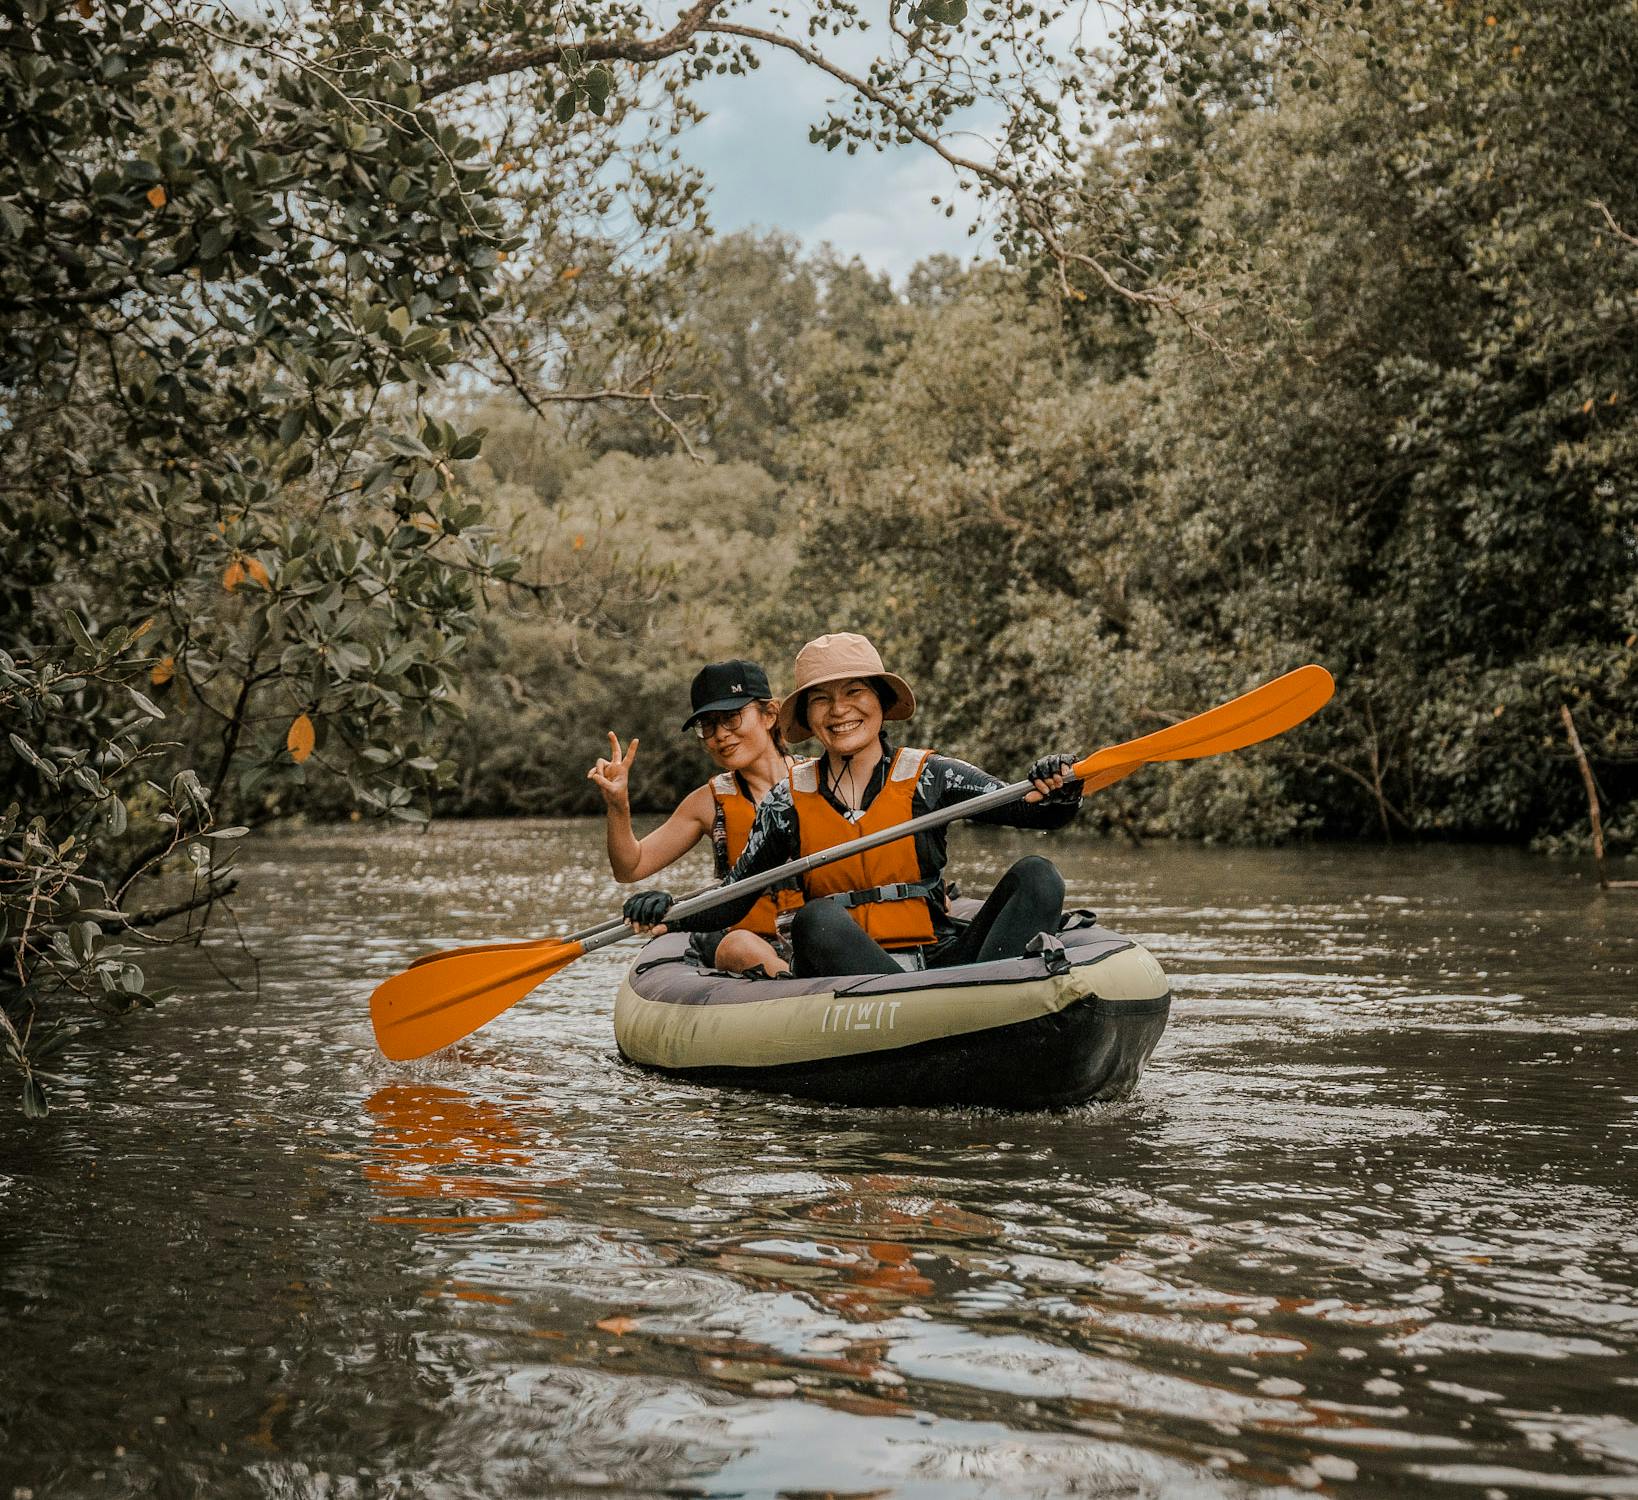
x: 903, y: 890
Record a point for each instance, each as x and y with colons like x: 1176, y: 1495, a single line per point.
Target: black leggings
x: 1028, y: 899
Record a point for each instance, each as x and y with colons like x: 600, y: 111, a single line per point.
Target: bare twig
x: 213, y: 892
x: 1604, y: 881
x: 538, y: 400
x: 1614, y: 228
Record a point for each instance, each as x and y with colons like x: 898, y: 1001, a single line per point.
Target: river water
x: 1368, y: 1227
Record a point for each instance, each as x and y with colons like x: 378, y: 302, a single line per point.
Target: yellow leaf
x: 156, y: 194
x: 164, y: 670
x: 1613, y: 395
x: 84, y: 8
x: 233, y: 575
x: 143, y: 629
x: 299, y: 742
x: 579, y: 540
x: 619, y: 1325
x: 1587, y: 405
x: 258, y: 572
x: 1501, y: 708
x: 570, y: 272
x: 1489, y: 20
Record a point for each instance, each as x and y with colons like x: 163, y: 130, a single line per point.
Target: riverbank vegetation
x: 1402, y: 445
x: 381, y: 422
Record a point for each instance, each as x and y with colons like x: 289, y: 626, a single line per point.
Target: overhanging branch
x: 605, y: 49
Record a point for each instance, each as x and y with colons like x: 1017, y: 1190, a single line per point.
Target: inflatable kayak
x: 1073, y: 1023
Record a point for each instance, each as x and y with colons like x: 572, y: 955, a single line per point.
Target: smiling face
x: 738, y: 740
x: 846, y: 715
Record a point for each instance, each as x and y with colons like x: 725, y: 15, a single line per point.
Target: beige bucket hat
x: 835, y: 658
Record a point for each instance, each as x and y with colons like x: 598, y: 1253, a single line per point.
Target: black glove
x: 1055, y: 765
x: 647, y: 908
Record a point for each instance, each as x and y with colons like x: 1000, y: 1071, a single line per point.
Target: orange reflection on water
x: 436, y: 1142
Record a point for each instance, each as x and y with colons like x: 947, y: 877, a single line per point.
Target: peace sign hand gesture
x: 612, y: 775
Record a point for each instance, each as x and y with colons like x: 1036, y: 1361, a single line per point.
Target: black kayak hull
x: 1029, y: 1033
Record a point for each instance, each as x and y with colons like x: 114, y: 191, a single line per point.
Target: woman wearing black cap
x: 736, y: 717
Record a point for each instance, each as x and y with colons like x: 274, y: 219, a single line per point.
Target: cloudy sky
x: 754, y: 150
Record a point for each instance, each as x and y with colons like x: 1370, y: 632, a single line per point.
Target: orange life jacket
x: 888, y: 894
x: 738, y: 812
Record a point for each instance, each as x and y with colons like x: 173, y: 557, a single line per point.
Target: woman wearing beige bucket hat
x: 886, y: 909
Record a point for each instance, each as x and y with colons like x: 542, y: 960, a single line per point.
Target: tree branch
x: 608, y: 49
x: 1614, y: 228
x: 649, y: 397
x: 1034, y: 212
x: 206, y: 897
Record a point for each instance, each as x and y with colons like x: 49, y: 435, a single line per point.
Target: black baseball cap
x: 726, y: 685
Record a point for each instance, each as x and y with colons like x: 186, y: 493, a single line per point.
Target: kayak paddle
x: 444, y: 997
x: 614, y: 924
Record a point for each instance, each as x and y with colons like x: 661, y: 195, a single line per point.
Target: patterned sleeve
x: 944, y: 780
x: 772, y: 841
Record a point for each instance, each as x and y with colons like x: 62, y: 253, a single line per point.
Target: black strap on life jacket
x: 903, y: 890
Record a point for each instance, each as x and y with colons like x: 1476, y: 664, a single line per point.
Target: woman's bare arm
x: 670, y: 841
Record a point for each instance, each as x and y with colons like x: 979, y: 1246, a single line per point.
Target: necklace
x: 850, y: 807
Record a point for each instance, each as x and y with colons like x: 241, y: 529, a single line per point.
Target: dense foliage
x: 1410, y: 456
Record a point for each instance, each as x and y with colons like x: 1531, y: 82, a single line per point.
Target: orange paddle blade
x: 426, y: 1008
x: 1249, y: 719
x: 526, y: 945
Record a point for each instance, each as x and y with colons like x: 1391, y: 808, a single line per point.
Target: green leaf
x: 76, y: 628
x: 238, y: 831
x: 379, y: 477
x: 27, y: 751
x: 52, y: 1042
x: 34, y: 1098
x: 145, y: 703
x: 82, y: 937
